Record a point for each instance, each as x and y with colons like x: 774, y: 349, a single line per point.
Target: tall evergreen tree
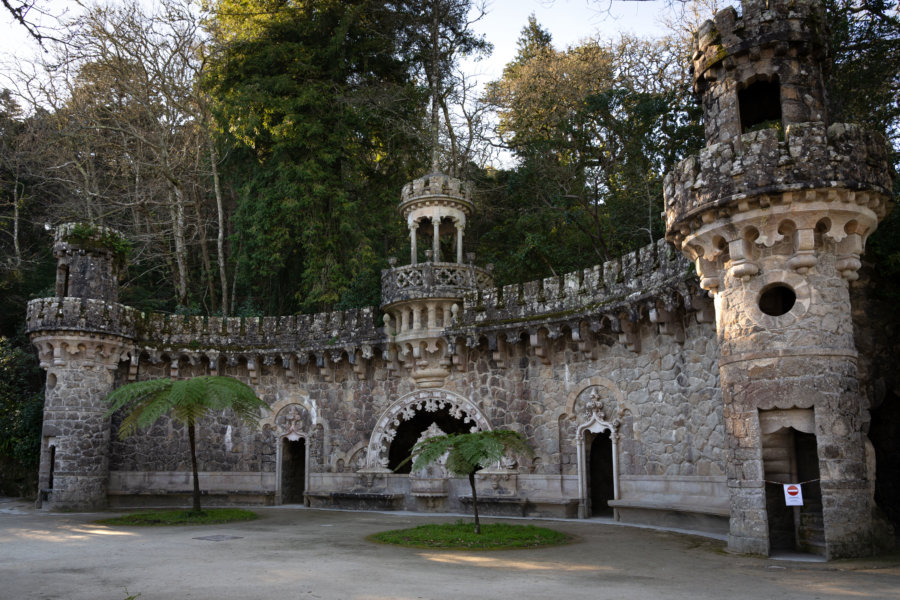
x: 314, y: 102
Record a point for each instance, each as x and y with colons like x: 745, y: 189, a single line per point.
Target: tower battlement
x: 759, y: 167
x: 762, y: 66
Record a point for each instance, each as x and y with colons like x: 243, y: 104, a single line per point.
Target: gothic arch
x: 291, y: 420
x: 406, y: 407
x: 592, y: 415
x: 609, y: 386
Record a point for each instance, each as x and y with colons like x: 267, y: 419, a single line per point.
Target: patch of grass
x: 462, y: 536
x: 210, y: 516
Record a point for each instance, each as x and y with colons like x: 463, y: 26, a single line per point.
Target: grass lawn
x: 461, y: 536
x: 210, y: 516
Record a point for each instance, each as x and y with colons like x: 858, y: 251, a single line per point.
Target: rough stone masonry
x: 651, y: 389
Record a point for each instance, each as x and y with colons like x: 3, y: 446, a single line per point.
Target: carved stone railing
x: 432, y: 280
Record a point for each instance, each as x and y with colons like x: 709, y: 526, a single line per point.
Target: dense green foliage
x: 594, y: 129
x: 21, y: 409
x: 318, y: 113
x: 459, y: 536
x: 187, y: 401
x: 210, y: 516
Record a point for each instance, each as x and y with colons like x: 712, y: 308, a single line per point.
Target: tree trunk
x: 192, y: 437
x: 475, y: 502
x: 220, y: 237
x: 177, y: 211
x: 17, y: 198
x: 435, y: 84
x: 204, y: 254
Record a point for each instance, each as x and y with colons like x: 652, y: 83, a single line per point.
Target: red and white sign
x: 793, y: 495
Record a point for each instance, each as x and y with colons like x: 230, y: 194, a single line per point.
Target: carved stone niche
x: 501, y: 479
x: 431, y: 481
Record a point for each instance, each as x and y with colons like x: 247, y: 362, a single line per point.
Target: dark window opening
x: 52, y: 467
x: 409, y: 431
x: 601, y: 475
x: 293, y: 471
x: 760, y: 105
x: 777, y: 300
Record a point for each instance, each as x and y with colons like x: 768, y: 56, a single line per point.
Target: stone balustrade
x: 432, y: 280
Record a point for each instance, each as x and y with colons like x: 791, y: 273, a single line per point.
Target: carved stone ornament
x: 293, y: 422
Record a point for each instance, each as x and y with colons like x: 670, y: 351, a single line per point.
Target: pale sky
x: 568, y: 21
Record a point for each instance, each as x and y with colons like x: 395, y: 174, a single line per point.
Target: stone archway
x: 406, y: 408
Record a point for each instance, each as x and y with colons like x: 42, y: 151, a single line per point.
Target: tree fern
x: 466, y: 452
x: 187, y: 401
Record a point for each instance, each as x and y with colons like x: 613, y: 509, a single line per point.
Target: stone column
x: 459, y: 243
x: 74, y: 468
x: 436, y: 242
x: 413, y: 251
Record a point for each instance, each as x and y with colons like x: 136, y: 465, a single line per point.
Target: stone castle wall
x: 635, y: 332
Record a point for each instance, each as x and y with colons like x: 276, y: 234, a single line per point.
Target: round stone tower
x: 775, y: 213
x: 81, y: 336
x: 420, y: 299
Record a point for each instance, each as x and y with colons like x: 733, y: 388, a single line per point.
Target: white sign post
x: 793, y: 495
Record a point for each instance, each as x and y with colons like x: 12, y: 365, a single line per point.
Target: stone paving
x: 301, y: 553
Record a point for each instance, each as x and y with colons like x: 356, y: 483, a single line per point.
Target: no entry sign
x: 793, y: 495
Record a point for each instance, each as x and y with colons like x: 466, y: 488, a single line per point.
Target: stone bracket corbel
x: 628, y: 332
x: 498, y: 350
x: 848, y: 252
x: 804, y: 257
x: 667, y: 323
x: 540, y: 344
x: 287, y: 365
x: 583, y: 335
x: 133, y: 364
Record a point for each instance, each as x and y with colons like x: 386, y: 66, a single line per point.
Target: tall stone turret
x: 420, y: 299
x: 775, y: 213
x: 80, y: 337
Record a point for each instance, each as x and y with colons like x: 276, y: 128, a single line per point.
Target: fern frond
x: 468, y: 451
x: 187, y: 400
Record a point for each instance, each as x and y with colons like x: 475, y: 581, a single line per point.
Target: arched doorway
x: 597, y: 465
x: 293, y: 470
x: 411, y: 430
x: 297, y: 441
x: 790, y: 455
x: 398, y: 427
x: 601, y: 481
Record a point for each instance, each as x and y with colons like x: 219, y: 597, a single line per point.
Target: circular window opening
x: 777, y: 300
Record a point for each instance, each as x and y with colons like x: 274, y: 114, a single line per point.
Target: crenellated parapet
x: 735, y: 198
x: 764, y: 65
x: 652, y: 285
x: 811, y: 156
x: 652, y: 269
x: 324, y: 338
x: 436, y: 188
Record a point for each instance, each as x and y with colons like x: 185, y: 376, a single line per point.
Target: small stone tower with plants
x: 80, y: 346
x: 775, y: 212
